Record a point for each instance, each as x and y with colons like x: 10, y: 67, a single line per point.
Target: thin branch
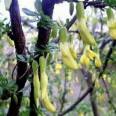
x: 104, y: 43
x: 63, y: 96
x: 103, y: 70
x: 108, y: 95
x: 107, y: 57
x: 73, y: 106
x: 73, y: 31
x: 88, y: 77
x: 96, y: 4
x: 12, y: 75
x: 71, y: 22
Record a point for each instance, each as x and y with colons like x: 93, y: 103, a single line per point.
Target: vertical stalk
x: 19, y: 40
x: 43, y: 38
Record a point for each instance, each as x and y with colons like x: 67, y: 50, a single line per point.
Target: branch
x: 107, y: 57
x: 64, y: 95
x: 73, y: 106
x: 103, y: 70
x: 96, y: 4
x: 88, y: 77
x: 71, y: 22
x: 104, y: 43
x: 19, y: 40
x: 71, y: 31
x: 108, y: 95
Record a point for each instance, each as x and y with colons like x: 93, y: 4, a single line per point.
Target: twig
x: 77, y: 102
x: 104, y: 43
x: 88, y: 76
x: 103, y: 70
x: 108, y: 95
x: 96, y: 4
x: 22, y: 74
x: 107, y: 58
x: 63, y: 96
x: 12, y: 75
x: 73, y: 31
x: 71, y: 22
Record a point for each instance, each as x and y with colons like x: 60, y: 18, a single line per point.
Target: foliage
x: 59, y: 79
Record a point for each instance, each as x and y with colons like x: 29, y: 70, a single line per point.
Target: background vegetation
x: 86, y: 91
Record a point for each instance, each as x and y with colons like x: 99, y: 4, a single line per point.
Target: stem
x: 43, y: 38
x: 33, y: 108
x: 107, y: 58
x: 110, y: 100
x: 64, y: 95
x: 93, y: 104
x: 19, y: 40
x: 92, y: 98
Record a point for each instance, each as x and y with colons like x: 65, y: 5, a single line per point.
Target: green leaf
x: 111, y: 3
x: 1, y: 91
x: 45, y: 22
x: 3, y: 81
x: 22, y: 58
x: 11, y: 83
x: 15, y: 98
x: 29, y: 12
x: 38, y: 6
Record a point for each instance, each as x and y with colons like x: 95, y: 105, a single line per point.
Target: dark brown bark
x: 19, y: 40
x: 33, y: 108
x: 93, y: 99
x: 88, y: 77
x: 43, y: 37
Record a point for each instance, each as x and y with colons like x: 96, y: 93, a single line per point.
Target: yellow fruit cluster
x: 36, y: 82
x: 98, y: 61
x: 73, y: 51
x: 44, y: 85
x: 67, y: 57
x: 67, y: 51
x: 107, y: 78
x: 84, y: 60
x: 86, y: 36
x: 10, y: 42
x: 89, y: 55
x: 111, y: 22
x: 41, y: 85
x: 58, y: 68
